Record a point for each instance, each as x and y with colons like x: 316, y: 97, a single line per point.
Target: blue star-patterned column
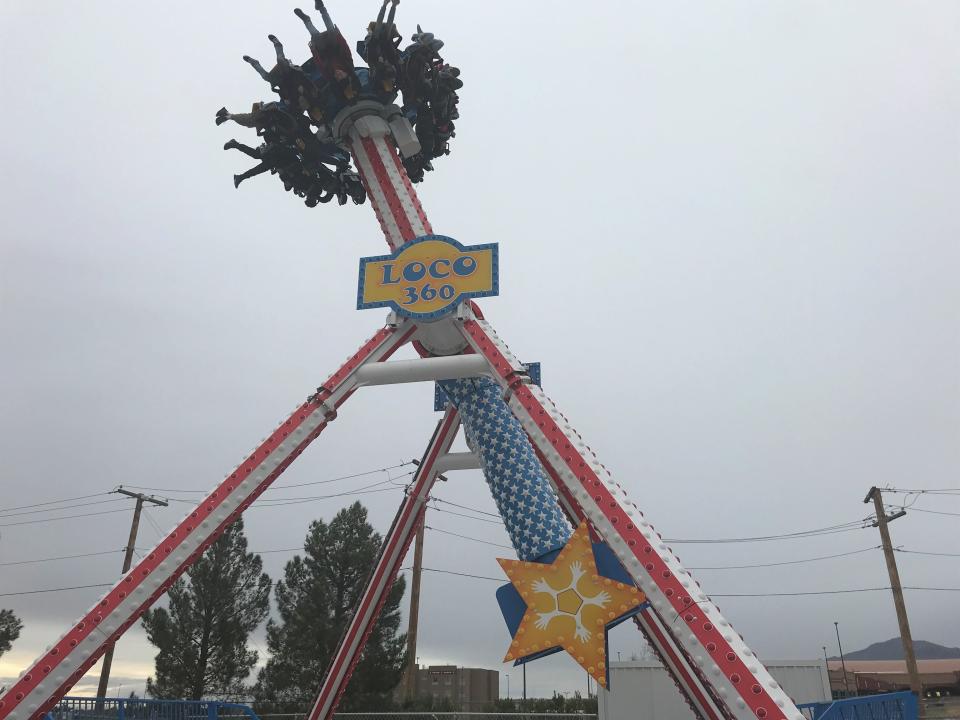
x: 520, y: 487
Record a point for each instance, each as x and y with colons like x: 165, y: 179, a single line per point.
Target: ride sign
x: 428, y: 277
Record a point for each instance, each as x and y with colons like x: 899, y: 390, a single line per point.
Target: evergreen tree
x: 316, y: 600
x: 202, y: 637
x: 10, y: 627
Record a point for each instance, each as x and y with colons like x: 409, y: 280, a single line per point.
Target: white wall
x: 644, y: 691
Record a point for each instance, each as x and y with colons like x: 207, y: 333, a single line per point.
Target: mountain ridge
x: 892, y: 649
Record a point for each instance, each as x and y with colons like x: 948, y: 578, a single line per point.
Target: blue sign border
x: 494, y: 247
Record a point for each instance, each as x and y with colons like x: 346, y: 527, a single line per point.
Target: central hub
x: 569, y: 601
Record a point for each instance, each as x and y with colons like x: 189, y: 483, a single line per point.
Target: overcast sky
x: 728, y: 230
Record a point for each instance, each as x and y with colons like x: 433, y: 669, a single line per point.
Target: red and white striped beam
x: 389, y: 189
x: 41, y: 686
x: 739, y: 680
x: 696, y: 693
x: 396, y: 542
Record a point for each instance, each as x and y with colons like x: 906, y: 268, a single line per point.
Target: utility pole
x: 905, y: 637
x: 127, y: 562
x: 413, y: 622
x: 843, y: 663
x: 524, y: 681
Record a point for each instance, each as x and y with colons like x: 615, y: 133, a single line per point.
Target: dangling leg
x: 256, y: 170
x: 378, y: 25
x: 258, y: 67
x: 327, y: 22
x: 311, y: 28
x: 393, y: 13
x: 281, y: 58
x: 245, y: 149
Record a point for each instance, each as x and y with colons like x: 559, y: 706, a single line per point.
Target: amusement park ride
x: 587, y: 556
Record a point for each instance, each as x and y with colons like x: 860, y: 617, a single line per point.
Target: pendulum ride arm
x: 402, y: 218
x: 389, y: 189
x: 392, y: 552
x: 740, y: 682
x: 59, y: 668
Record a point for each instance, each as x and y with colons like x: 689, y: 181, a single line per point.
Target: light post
x: 508, y: 686
x: 826, y: 664
x: 843, y: 663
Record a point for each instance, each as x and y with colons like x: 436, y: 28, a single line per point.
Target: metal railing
x: 432, y: 715
x: 890, y: 706
x: 91, y: 708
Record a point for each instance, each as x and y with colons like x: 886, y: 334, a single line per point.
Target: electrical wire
x: 467, y: 537
x: 65, y: 517
x: 921, y: 552
x: 59, y: 589
x: 933, y: 491
x: 786, y: 562
x: 728, y: 595
x: 936, y: 512
x: 53, y: 502
x: 280, y: 487
x: 67, y: 507
x: 829, y: 530
x: 60, y: 557
x: 464, y: 507
x: 471, y: 517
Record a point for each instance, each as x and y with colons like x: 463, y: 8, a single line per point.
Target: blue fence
x: 891, y: 706
x: 90, y: 708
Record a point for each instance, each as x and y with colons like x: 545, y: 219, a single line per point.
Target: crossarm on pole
x: 60, y: 667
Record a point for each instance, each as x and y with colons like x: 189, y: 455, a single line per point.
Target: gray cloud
x: 728, y: 230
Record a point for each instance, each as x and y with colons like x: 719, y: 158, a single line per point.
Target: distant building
x: 643, y: 689
x: 465, y: 688
x: 866, y: 677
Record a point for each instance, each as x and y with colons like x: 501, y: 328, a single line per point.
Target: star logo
x: 569, y: 605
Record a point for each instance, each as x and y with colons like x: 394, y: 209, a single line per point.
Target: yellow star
x: 569, y: 605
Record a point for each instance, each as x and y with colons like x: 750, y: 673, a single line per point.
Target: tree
x: 10, y: 627
x: 316, y: 600
x: 202, y: 637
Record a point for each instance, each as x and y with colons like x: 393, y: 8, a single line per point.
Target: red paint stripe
x: 753, y: 694
x: 390, y: 191
x: 357, y: 148
x: 414, y: 199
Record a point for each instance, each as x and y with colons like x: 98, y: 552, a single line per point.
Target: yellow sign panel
x: 427, y: 277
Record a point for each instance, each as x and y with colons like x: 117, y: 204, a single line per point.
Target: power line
x: 53, y: 502
x: 464, y: 507
x: 936, y: 512
x: 471, y: 517
x: 65, y: 517
x: 729, y: 595
x: 786, y: 562
x: 467, y: 537
x: 281, y: 487
x: 59, y: 589
x: 56, y: 509
x: 933, y: 491
x: 921, y: 552
x: 61, y: 557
